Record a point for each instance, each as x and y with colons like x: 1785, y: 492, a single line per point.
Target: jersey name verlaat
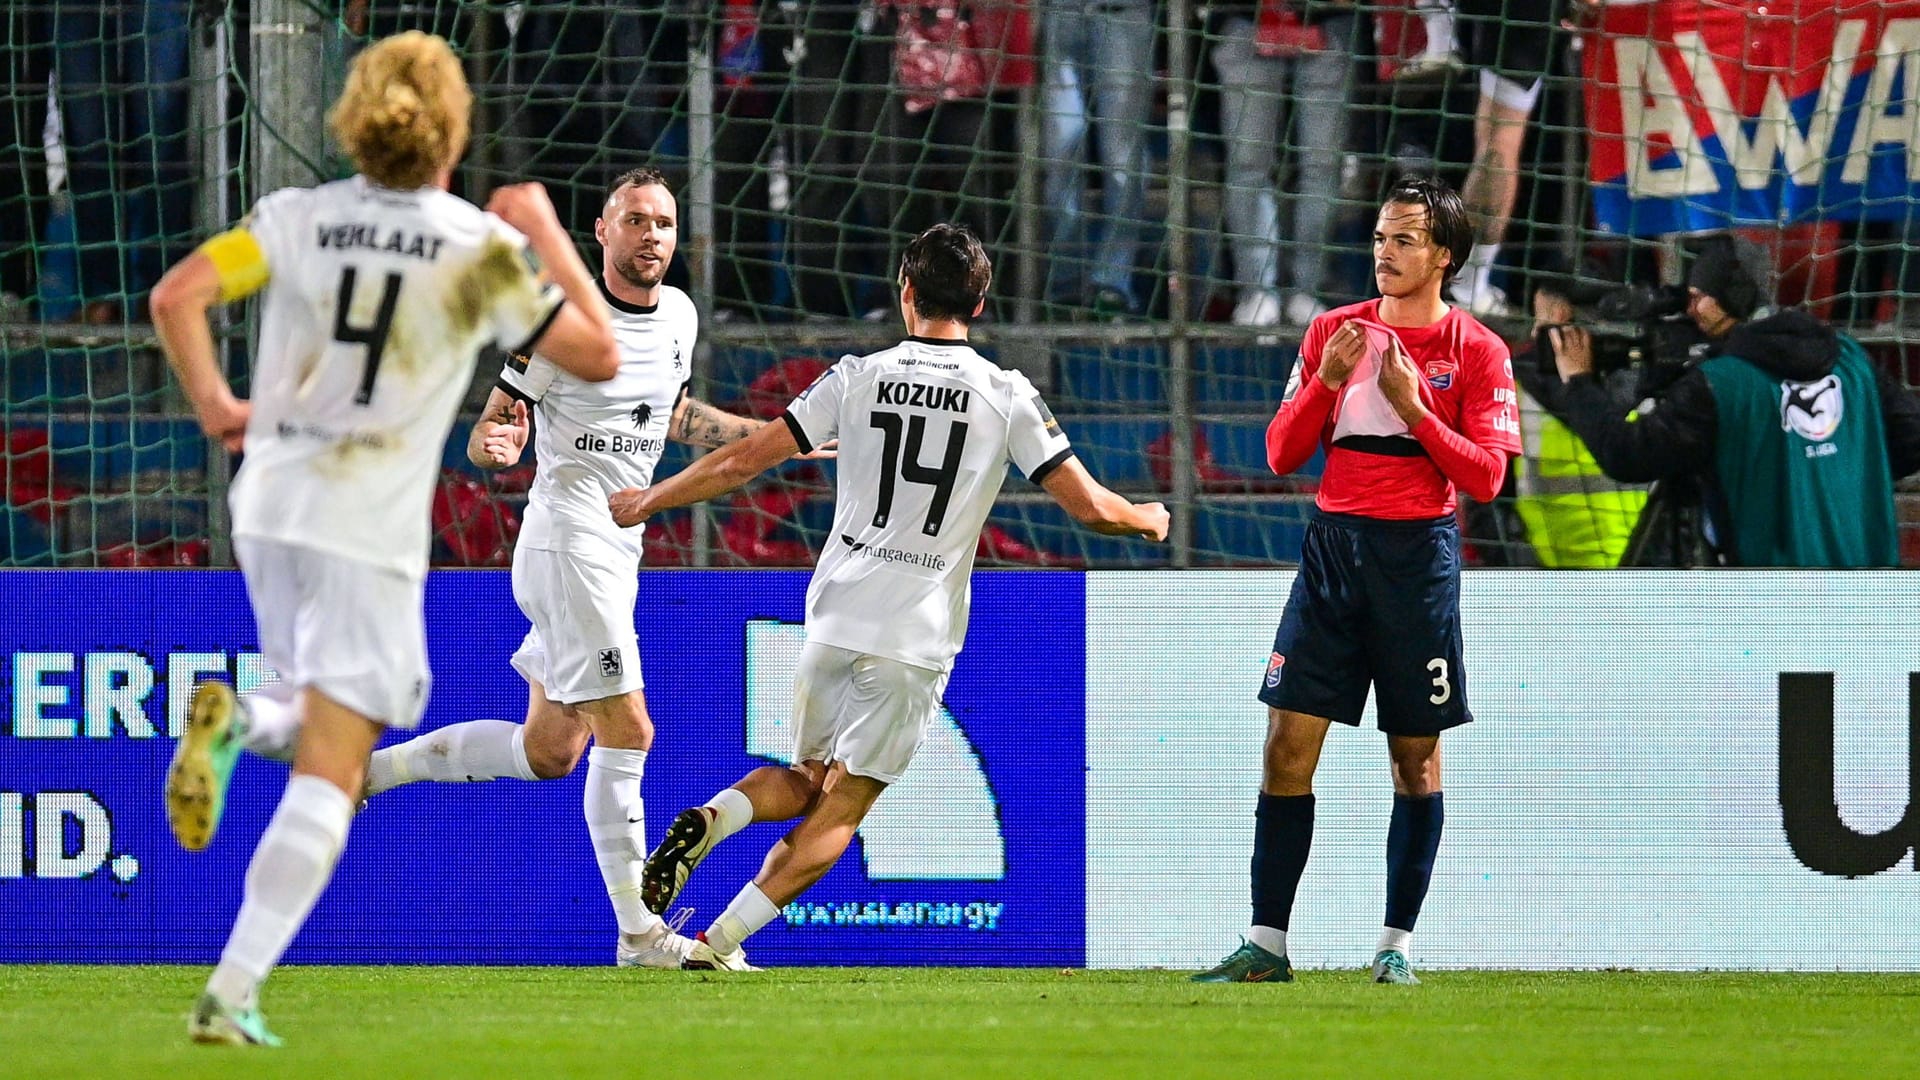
x: 376, y: 306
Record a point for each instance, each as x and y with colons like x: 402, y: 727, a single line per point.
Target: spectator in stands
x: 1794, y: 438
x: 581, y: 96
x: 1097, y: 68
x: 947, y: 150
x: 1510, y: 43
x: 23, y: 119
x: 841, y: 60
x: 121, y: 83
x: 1308, y: 55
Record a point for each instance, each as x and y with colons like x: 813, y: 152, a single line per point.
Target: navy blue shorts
x: 1375, y: 604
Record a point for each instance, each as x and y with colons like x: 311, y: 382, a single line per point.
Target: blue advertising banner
x: 977, y: 857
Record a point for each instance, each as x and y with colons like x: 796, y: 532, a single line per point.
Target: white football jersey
x: 592, y: 439
x: 376, y: 307
x: 926, y: 431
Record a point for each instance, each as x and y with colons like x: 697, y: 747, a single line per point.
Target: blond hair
x: 403, y: 115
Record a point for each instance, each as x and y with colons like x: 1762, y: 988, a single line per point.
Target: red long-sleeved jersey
x: 1376, y: 466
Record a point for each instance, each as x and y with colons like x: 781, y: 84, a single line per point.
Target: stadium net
x: 1169, y: 192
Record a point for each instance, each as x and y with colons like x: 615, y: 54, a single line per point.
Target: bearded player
x: 575, y: 572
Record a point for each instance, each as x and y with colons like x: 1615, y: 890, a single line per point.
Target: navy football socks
x: 1282, y: 834
x: 1412, y: 840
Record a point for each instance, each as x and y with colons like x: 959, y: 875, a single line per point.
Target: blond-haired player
x: 378, y: 292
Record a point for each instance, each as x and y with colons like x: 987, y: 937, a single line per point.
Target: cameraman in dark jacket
x: 1793, y: 437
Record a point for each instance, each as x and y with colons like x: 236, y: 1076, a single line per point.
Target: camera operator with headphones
x: 1791, y: 437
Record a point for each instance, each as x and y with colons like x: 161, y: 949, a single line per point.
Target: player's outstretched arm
x: 180, y: 303
x: 716, y: 474
x: 697, y: 423
x: 1101, y: 509
x: 580, y: 341
x: 500, y: 435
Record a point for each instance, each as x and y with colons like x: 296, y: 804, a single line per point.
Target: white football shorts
x: 867, y: 711
x: 351, y: 630
x: 582, y: 645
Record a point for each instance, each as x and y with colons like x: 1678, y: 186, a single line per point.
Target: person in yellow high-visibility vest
x: 1574, y: 515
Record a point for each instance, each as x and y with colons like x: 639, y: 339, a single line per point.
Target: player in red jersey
x: 1412, y: 400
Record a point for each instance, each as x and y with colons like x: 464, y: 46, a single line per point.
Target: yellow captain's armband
x: 237, y: 258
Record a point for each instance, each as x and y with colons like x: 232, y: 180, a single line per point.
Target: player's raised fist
x: 1157, y: 520
x: 1342, y: 354
x: 524, y: 206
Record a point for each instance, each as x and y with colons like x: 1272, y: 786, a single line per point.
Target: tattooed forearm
x: 700, y: 424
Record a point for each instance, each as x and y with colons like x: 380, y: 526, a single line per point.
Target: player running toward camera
x: 575, y: 573
x: 926, y: 431
x: 1411, y: 399
x: 380, y: 291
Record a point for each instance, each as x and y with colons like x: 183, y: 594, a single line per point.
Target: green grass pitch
x: 546, y: 1023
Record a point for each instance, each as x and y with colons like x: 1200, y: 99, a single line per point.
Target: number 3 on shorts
x: 1442, y: 689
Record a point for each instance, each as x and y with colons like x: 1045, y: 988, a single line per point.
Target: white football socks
x: 617, y: 824
x: 456, y: 754
x: 732, y: 811
x: 290, y: 869
x: 749, y: 911
x: 1397, y: 940
x: 1274, y: 941
x: 271, y: 724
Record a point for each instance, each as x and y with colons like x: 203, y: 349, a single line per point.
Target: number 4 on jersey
x: 374, y: 337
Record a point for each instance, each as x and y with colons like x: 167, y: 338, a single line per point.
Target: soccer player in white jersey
x: 926, y: 431
x: 380, y: 292
x: 575, y: 572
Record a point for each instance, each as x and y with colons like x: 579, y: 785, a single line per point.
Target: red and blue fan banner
x: 1710, y: 114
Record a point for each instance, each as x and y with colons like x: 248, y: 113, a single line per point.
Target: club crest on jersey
x: 1440, y: 373
x: 1275, y: 663
x: 1811, y: 410
x: 610, y: 665
x: 641, y: 413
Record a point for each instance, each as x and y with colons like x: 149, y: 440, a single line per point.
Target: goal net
x: 1169, y: 192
